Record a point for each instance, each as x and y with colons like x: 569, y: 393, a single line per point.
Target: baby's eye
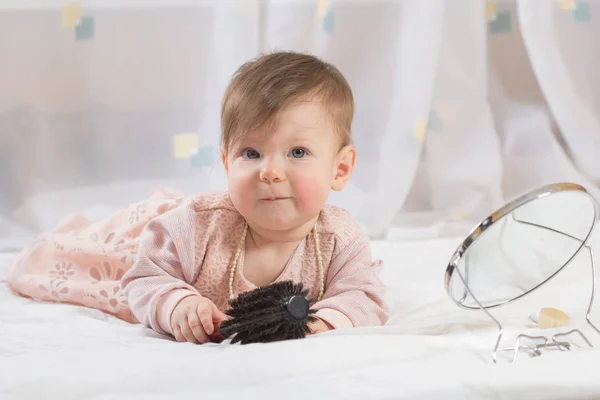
x: 250, y: 153
x: 298, y: 153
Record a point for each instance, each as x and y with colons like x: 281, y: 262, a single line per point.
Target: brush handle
x: 298, y: 307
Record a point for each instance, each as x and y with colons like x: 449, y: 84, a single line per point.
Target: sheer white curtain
x: 459, y: 105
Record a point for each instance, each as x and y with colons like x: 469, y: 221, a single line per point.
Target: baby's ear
x: 224, y: 158
x: 344, y: 166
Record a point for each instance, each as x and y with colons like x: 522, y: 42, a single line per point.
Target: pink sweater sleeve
x: 164, y: 269
x: 354, y: 295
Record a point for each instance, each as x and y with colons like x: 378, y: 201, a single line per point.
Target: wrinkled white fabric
x: 429, y: 349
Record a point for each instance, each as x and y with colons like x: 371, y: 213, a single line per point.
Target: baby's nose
x: 273, y: 171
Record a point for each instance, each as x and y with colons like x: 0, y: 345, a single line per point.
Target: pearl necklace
x: 242, y: 243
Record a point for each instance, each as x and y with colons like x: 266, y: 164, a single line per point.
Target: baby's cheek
x: 311, y: 192
x: 241, y: 193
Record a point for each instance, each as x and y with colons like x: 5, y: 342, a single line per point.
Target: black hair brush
x: 279, y: 311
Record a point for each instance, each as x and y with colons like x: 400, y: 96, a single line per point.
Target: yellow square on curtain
x: 184, y: 144
x: 322, y: 8
x: 420, y: 129
x: 566, y: 5
x: 459, y: 215
x: 71, y: 15
x: 250, y: 8
x: 490, y: 10
x: 446, y: 113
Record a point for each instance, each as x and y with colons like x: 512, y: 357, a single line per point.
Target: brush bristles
x: 261, y: 315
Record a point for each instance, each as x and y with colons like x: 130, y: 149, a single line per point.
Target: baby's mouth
x: 274, y: 198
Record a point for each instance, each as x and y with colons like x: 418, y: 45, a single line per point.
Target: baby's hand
x: 319, y: 326
x: 194, y: 320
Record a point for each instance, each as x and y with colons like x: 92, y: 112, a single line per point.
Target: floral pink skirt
x: 82, y: 262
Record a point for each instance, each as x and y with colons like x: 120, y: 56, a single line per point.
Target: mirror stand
x: 535, y: 350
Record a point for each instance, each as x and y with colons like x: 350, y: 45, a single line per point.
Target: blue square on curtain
x: 202, y: 157
x: 85, y: 29
x: 501, y: 23
x: 328, y: 20
x: 581, y: 11
x: 434, y: 122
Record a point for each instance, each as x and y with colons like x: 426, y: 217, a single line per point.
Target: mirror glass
x: 521, y: 246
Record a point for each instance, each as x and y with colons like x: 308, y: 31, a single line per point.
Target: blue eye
x: 250, y: 153
x: 298, y: 153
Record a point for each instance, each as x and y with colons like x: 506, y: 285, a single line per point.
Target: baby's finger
x: 216, y: 337
x: 187, y: 333
x: 205, y: 315
x: 218, y: 315
x: 177, y: 333
x: 196, y: 327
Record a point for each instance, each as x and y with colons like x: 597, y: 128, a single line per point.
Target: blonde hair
x: 262, y: 88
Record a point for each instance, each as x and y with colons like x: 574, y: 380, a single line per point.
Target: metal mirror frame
x: 452, y: 268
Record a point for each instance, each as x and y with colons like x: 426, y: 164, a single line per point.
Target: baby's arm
x: 164, y: 269
x: 354, y: 294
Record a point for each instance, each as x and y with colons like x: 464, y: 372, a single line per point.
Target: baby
x: 286, y: 120
x: 173, y: 262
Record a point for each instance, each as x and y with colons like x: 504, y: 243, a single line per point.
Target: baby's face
x: 281, y: 181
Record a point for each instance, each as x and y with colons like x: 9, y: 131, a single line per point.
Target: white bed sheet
x: 430, y: 349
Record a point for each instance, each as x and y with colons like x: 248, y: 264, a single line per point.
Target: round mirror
x: 521, y: 246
